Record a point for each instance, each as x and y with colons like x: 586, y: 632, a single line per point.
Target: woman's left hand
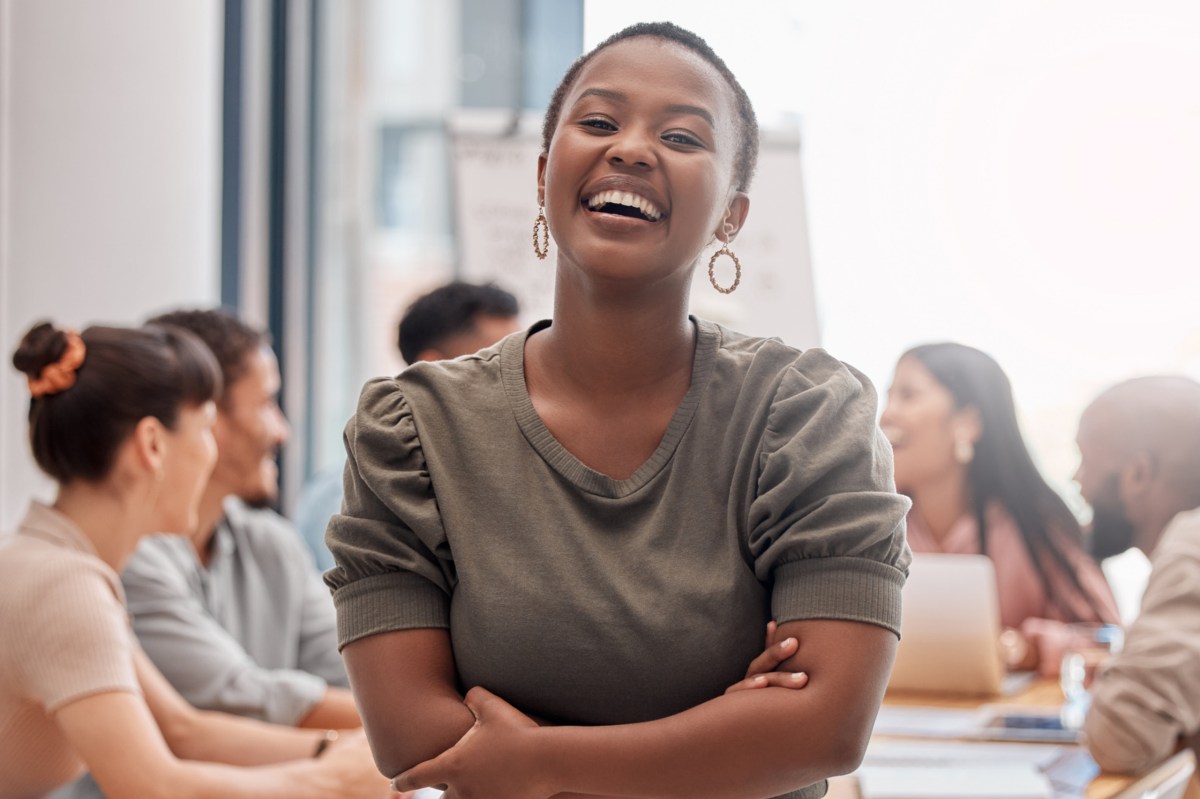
x: 495, y: 758
x: 761, y: 672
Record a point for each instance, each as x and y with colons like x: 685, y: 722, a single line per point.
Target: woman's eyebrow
x: 694, y: 110
x: 619, y: 97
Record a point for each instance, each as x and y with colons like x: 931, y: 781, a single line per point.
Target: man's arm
x: 317, y: 648
x: 203, y: 662
x: 1148, y: 696
x: 335, y: 710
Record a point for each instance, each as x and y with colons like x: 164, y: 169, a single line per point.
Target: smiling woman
x: 588, y: 525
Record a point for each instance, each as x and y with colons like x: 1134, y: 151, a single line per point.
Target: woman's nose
x: 887, y: 416
x: 632, y: 149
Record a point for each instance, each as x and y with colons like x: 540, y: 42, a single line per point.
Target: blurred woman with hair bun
x: 122, y: 420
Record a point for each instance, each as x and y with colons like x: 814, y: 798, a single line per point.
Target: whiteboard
x: 495, y: 183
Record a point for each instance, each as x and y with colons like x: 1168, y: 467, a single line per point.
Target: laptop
x: 950, y: 628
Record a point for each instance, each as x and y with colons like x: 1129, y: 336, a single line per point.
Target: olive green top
x: 587, y: 600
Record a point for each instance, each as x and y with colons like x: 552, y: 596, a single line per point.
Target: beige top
x: 66, y: 636
x: 1148, y: 697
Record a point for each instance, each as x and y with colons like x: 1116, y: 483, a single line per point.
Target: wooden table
x: 1041, y: 692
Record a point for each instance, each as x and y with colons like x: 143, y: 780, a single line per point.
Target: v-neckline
x: 512, y: 366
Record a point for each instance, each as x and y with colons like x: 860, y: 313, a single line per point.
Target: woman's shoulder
x: 466, y: 375
x: 812, y: 366
x: 38, y: 574
x: 794, y: 382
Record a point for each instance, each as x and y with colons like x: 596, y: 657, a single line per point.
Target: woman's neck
x: 616, y: 344
x: 113, y: 522
x: 943, y: 501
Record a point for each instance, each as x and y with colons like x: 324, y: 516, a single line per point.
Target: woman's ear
x: 734, y: 217
x: 967, y: 424
x: 149, y: 442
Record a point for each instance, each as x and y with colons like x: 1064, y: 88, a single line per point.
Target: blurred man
x: 452, y: 320
x: 456, y: 319
x: 1139, y: 446
x: 236, y: 616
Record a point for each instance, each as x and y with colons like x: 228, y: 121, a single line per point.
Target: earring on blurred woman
x: 737, y: 270
x: 541, y: 248
x: 964, y: 450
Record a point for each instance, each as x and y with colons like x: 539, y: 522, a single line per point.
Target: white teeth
x: 627, y: 199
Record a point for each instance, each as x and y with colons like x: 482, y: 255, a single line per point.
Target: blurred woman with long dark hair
x: 960, y: 456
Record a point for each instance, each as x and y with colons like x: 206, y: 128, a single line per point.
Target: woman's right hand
x: 349, y: 764
x: 761, y: 673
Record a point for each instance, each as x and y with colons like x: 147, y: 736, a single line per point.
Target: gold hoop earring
x: 541, y: 249
x: 737, y: 270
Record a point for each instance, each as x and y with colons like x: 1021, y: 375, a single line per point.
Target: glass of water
x: 1087, y: 647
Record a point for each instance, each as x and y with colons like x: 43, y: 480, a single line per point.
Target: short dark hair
x: 230, y: 339
x: 747, y: 156
x: 127, y: 374
x: 447, y: 311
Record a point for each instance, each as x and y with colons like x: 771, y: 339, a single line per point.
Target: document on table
x: 960, y: 753
x: 926, y: 722
x: 972, y: 781
x: 1029, y: 724
x: 900, y: 769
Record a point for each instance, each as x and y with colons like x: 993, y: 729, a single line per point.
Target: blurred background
x: 1021, y: 176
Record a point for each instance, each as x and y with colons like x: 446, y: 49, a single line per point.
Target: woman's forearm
x: 749, y: 744
x: 306, y: 780
x: 115, y: 734
x: 759, y: 744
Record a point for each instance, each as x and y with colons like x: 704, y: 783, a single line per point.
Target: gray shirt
x: 588, y: 600
x: 251, y: 634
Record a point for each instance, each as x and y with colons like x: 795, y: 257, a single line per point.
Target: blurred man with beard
x: 1139, y: 446
x: 236, y: 617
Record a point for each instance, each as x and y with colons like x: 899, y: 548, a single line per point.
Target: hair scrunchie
x: 60, y: 375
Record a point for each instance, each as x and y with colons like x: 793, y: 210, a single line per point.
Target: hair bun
x: 42, y: 345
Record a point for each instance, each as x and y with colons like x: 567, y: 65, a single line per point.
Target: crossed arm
x: 752, y: 743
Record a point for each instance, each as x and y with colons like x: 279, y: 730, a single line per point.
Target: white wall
x: 109, y: 177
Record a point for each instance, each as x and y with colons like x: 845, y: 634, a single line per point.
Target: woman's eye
x: 598, y: 124
x: 681, y: 138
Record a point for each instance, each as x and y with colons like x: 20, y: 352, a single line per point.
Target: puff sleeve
x: 826, y: 525
x: 394, y: 569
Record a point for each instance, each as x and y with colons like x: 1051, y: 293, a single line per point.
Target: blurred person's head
x: 950, y: 412
x: 250, y: 426
x: 1139, y: 460
x: 126, y: 410
x: 456, y: 319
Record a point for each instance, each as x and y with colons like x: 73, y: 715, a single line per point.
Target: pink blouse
x: 1024, y: 603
